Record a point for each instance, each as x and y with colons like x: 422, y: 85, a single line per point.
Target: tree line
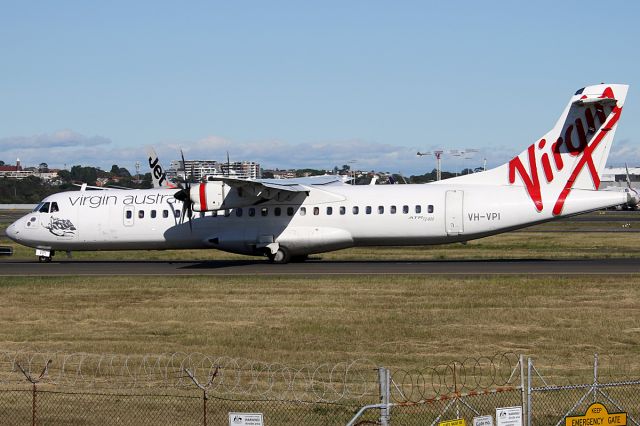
x: 32, y: 189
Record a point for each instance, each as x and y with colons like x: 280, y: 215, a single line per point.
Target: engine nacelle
x: 207, y: 196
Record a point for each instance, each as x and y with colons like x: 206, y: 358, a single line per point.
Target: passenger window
x: 316, y: 211
x: 277, y: 211
x: 356, y: 209
x: 329, y: 211
x: 368, y: 209
x: 165, y: 213
x: 252, y: 211
x: 264, y: 211
x: 405, y: 209
x: 177, y: 214
x: 44, y: 208
x: 54, y: 207
x: 290, y: 211
x: 343, y: 209
x: 418, y: 209
x: 227, y: 213
x: 214, y: 213
x: 392, y: 209
x: 153, y: 214
x: 380, y: 209
x: 430, y: 208
x: 239, y: 212
x: 303, y: 211
x: 141, y: 214
x: 129, y: 214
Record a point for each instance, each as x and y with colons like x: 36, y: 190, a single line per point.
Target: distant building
x: 201, y: 169
x: 18, y: 172
x: 619, y: 174
x: 282, y: 174
x: 8, y: 168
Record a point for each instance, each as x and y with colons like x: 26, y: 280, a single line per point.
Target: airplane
x: 287, y: 220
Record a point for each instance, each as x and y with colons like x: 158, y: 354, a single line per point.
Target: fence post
x: 529, y: 399
x: 385, y: 397
x: 595, y: 378
x: 204, y: 389
x: 34, y: 382
x: 522, y: 391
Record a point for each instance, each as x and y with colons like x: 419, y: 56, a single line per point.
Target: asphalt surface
x: 263, y: 268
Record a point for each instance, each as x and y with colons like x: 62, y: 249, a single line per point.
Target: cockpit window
x: 36, y: 208
x: 54, y: 207
x: 44, y: 208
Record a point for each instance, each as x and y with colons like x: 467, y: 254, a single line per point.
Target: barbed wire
x: 238, y: 377
x: 346, y: 381
x: 473, y: 374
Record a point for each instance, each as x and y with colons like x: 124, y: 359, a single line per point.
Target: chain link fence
x: 194, y: 389
x: 550, y: 401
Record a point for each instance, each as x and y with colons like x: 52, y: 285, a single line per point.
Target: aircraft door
x: 454, y: 212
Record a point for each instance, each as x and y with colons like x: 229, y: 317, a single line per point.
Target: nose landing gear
x: 45, y: 255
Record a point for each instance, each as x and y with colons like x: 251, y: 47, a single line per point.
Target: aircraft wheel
x: 43, y: 259
x: 281, y: 256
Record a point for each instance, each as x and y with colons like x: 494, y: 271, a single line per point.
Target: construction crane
x: 439, y: 152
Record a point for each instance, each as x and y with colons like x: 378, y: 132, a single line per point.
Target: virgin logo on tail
x: 551, y: 160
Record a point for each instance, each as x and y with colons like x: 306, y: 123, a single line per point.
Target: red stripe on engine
x: 203, y: 196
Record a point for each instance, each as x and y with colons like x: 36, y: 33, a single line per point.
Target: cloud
x: 61, y: 138
x: 67, y: 148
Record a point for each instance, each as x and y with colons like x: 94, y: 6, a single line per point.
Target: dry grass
x: 395, y: 321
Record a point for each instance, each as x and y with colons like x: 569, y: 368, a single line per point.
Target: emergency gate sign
x: 597, y: 415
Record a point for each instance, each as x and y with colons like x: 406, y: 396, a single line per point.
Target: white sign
x: 509, y: 416
x: 245, y: 419
x: 483, y: 421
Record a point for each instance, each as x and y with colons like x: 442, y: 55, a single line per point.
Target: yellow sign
x: 457, y: 422
x: 597, y: 415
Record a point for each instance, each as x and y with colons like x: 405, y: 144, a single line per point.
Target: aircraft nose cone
x: 12, y: 232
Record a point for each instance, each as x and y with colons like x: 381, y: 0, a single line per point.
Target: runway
x: 310, y: 268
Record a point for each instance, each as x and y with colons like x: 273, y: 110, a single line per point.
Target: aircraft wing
x: 269, y: 188
x: 309, y: 180
x: 250, y: 192
x: 265, y: 189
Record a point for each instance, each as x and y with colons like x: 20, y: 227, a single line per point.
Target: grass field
x: 403, y: 322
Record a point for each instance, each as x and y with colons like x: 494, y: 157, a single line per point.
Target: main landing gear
x: 281, y: 256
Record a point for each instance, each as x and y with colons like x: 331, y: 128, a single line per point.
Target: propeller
x: 184, y: 195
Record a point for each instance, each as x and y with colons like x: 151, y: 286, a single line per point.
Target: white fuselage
x: 328, y: 218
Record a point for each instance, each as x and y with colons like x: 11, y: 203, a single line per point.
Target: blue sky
x: 302, y: 84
